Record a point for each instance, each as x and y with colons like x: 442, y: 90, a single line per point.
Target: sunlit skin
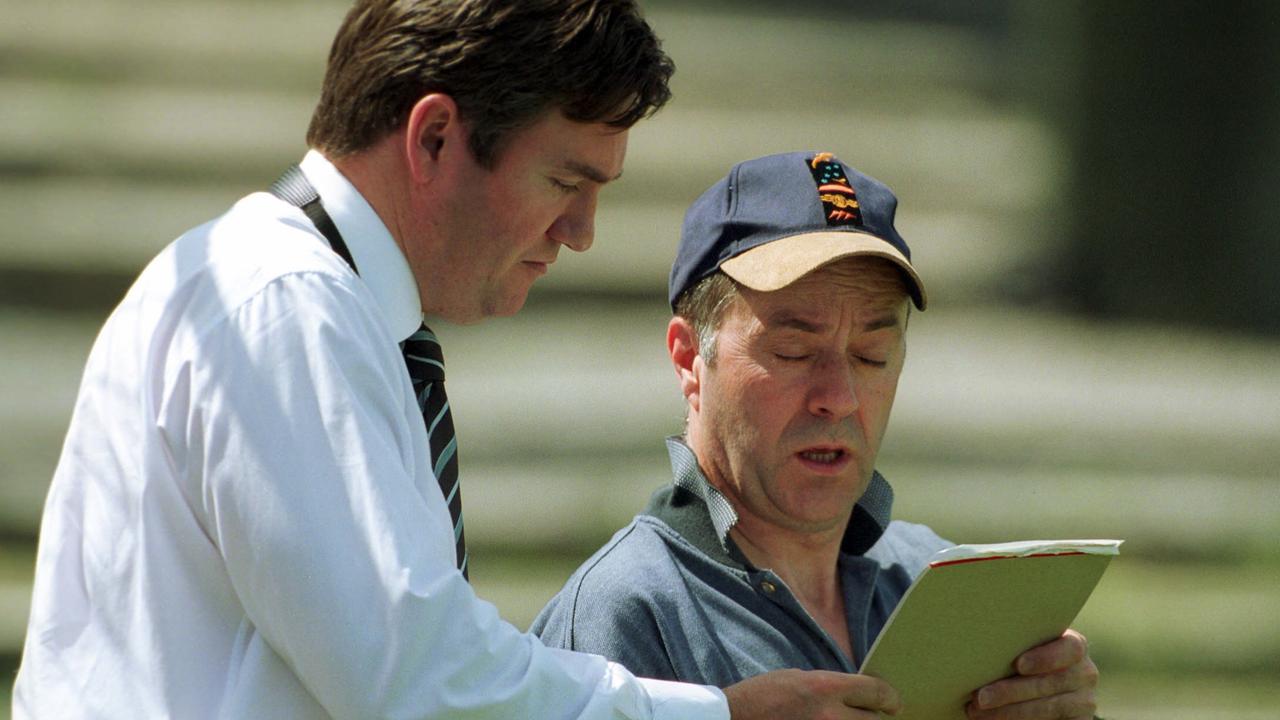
x: 788, y: 419
x: 509, y: 223
x: 787, y: 422
x: 477, y: 238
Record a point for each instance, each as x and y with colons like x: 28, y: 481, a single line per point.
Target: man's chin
x: 503, y: 307
x: 477, y: 315
x: 500, y: 300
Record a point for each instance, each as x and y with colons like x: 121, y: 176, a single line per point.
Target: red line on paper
x: 1003, y: 557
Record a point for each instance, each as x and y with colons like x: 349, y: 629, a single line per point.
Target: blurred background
x: 1089, y: 188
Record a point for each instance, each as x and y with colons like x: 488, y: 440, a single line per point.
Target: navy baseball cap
x: 774, y: 219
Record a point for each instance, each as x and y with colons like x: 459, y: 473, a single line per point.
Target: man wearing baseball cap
x: 772, y: 547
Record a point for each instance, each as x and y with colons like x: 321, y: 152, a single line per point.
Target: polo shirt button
x: 768, y: 587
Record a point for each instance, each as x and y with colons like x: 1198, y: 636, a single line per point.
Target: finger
x: 871, y: 693
x: 1070, y: 706
x: 810, y: 693
x: 1081, y: 676
x: 1057, y: 654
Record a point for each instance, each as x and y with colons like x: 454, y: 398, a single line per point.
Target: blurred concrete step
x: 978, y: 158
x: 559, y: 391
x: 203, y: 87
x: 281, y: 43
x: 577, y: 503
x: 979, y: 384
x: 731, y: 56
x: 143, y: 130
x: 194, y: 104
x: 90, y: 226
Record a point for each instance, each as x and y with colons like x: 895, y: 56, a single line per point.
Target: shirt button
x: 768, y: 587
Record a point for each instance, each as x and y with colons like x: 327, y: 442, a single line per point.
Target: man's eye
x: 564, y: 187
x: 791, y: 357
x: 868, y: 361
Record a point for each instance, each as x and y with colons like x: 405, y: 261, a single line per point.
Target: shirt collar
x: 868, y: 522
x: 381, y: 262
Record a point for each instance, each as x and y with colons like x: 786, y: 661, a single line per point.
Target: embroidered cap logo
x: 839, y: 201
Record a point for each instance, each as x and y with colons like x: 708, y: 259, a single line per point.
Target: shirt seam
x: 341, y: 279
x: 669, y: 533
x: 582, y: 579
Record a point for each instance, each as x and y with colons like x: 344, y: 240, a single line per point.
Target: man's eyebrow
x: 884, y: 321
x: 791, y: 321
x: 589, y: 172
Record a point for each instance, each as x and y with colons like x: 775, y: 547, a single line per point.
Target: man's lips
x: 825, y: 459
x: 540, y: 266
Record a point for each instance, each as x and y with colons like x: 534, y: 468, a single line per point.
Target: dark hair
x: 504, y: 62
x: 703, y: 305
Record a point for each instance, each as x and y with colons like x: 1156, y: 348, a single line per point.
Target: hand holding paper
x: 1054, y: 681
x: 811, y: 693
x: 966, y: 625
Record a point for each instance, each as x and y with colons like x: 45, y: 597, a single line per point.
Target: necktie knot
x: 423, y: 356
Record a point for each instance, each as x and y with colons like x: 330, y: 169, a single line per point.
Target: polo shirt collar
x: 707, y: 525
x: 382, y: 264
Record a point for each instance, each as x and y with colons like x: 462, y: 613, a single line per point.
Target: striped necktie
x: 425, y: 361
x: 421, y: 355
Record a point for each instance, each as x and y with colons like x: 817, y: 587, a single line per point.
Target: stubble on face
x: 503, y: 227
x: 775, y: 391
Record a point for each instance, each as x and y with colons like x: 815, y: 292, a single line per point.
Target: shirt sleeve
x: 909, y: 545
x: 602, y: 610
x: 620, y: 630
x: 308, y: 476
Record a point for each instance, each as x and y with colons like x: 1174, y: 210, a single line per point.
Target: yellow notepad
x: 973, y: 610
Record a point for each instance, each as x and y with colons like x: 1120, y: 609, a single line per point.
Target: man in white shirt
x: 245, y: 520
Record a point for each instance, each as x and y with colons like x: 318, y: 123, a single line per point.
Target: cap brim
x: 775, y: 265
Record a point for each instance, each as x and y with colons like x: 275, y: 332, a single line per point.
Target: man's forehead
x: 811, y: 319
x: 762, y: 320
x: 593, y: 150
x: 588, y: 170
x: 815, y: 300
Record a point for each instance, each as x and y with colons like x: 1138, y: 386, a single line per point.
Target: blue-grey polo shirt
x: 670, y: 596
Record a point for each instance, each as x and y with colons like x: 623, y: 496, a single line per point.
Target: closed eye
x: 564, y: 187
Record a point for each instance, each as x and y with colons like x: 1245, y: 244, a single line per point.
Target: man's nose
x: 832, y: 391
x: 576, y: 226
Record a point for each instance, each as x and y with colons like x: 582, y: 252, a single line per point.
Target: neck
x: 805, y: 558
x: 382, y: 178
x: 809, y: 566
x: 807, y: 563
x: 382, y: 181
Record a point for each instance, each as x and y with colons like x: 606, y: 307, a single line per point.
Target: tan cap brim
x: 775, y: 265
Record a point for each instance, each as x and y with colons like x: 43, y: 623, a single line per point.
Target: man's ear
x: 682, y: 346
x: 434, y: 132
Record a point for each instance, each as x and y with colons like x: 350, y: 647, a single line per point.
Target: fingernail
x: 984, y: 698
x: 1024, y: 666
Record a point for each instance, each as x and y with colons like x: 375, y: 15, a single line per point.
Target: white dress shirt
x: 244, y: 521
